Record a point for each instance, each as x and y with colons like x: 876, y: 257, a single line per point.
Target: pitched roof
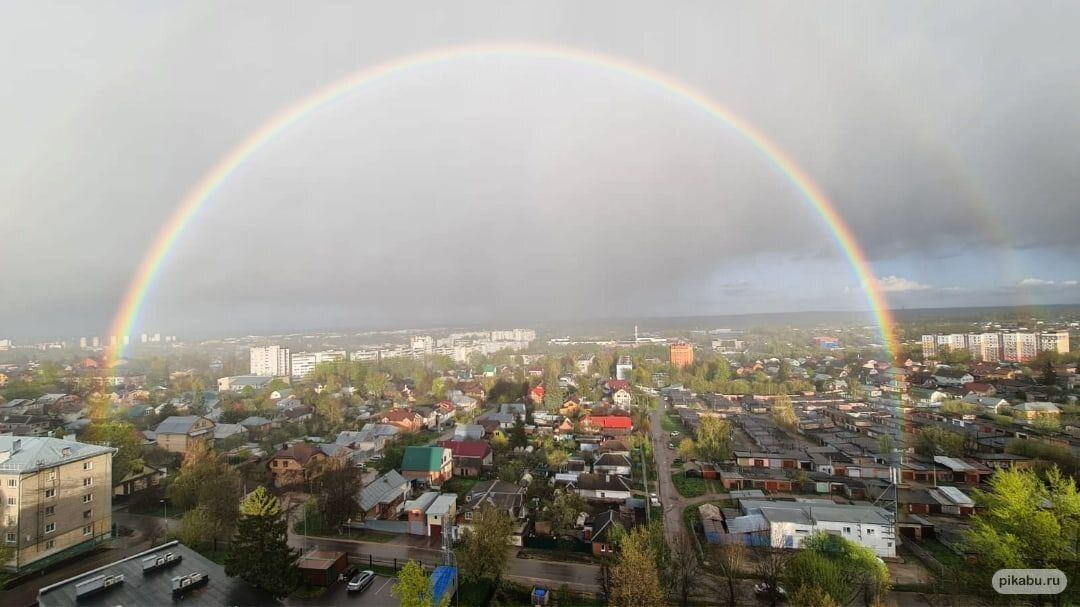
x: 499, y: 494
x: 301, y: 452
x: 177, y: 424
x: 422, y: 459
x: 612, y: 459
x: 610, y: 421
x: 385, y: 488
x: 39, y: 452
x: 467, y: 448
x: 612, y: 482
x: 401, y: 415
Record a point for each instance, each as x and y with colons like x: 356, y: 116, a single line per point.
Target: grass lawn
x: 459, y: 485
x: 671, y: 423
x: 942, y: 553
x: 688, y: 487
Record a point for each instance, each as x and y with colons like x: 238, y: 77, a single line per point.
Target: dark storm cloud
x: 522, y: 189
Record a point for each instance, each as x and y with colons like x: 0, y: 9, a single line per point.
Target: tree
x: 840, y: 568
x: 1046, y: 424
x: 1049, y: 375
x: 686, y: 449
x: 121, y: 436
x: 1016, y: 530
x: 339, y: 485
x: 770, y: 568
x: 260, y: 553
x: 783, y: 413
x: 885, y: 444
x: 730, y: 559
x: 813, y: 595
x: 714, y: 439
x: 518, y: 438
x: 375, y: 383
x: 499, y: 443
x: 207, y: 482
x: 483, y: 554
x: 936, y: 441
x: 413, y: 587
x: 635, y: 580
x: 555, y: 458
x: 683, y: 569
x: 563, y: 511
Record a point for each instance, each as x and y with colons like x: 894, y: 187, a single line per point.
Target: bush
x: 688, y: 487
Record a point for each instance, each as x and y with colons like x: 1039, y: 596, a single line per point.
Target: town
x: 725, y: 467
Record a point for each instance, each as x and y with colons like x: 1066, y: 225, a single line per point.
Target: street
x: 670, y: 499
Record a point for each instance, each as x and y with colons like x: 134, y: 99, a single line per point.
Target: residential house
x: 613, y: 446
x: 226, y: 431
x: 139, y: 480
x: 415, y: 511
x: 988, y: 404
x: 468, y: 432
x: 518, y: 410
x: 608, y: 425
x: 429, y: 465
x: 257, y: 426
x: 429, y: 417
x: 598, y: 532
x: 239, y: 382
x: 441, y: 512
x: 610, y: 463
x: 1036, y: 410
x: 381, y: 497
x: 57, y: 498
x: 505, y: 421
x: 790, y: 523
x: 601, y: 487
x: 294, y: 464
x: 501, y: 495
x: 405, y: 419
x: 945, y: 376
x: 180, y: 433
x: 470, y: 457
x: 622, y: 397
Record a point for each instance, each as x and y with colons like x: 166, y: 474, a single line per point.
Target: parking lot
x: 378, y: 593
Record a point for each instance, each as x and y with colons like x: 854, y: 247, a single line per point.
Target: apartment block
x: 304, y: 363
x: 1011, y: 346
x: 56, y: 498
x: 682, y: 354
x: 272, y: 361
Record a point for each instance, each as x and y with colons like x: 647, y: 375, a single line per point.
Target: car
x: 654, y: 500
x: 674, y: 434
x: 764, y: 589
x: 671, y: 446
x: 361, y: 581
x: 349, y: 574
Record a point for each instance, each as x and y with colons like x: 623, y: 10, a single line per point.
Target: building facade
x: 681, y: 354
x: 270, y: 360
x: 303, y: 363
x: 56, y: 498
x: 1010, y: 346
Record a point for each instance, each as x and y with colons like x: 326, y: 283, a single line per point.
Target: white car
x: 654, y: 500
x: 675, y: 434
x: 765, y: 590
x: 361, y: 581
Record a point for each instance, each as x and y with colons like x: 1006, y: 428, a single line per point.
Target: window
x: 50, y: 510
x: 12, y: 482
x: 87, y: 530
x: 847, y: 529
x: 869, y: 532
x: 468, y: 516
x: 11, y: 501
x: 86, y: 482
x: 88, y: 466
x: 89, y: 497
x: 11, y: 520
x: 49, y: 544
x: 87, y: 513
x: 50, y: 527
x: 11, y: 538
x: 50, y: 493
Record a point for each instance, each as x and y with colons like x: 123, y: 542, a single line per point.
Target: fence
x: 550, y: 543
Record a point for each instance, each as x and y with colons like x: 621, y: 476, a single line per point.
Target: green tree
x: 933, y: 441
x: 686, y: 449
x: 563, y: 511
x: 783, y: 413
x: 260, y: 553
x: 206, y: 481
x: 840, y: 568
x: 484, y: 552
x: 635, y: 579
x: 886, y: 444
x: 1049, y: 375
x: 1023, y: 523
x: 714, y: 439
x: 338, y: 489
x: 1046, y: 424
x: 413, y: 587
x: 518, y: 438
x: 375, y: 383
x: 122, y: 436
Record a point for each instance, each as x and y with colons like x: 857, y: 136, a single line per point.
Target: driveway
x: 378, y: 593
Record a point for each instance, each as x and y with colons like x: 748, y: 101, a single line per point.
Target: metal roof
x: 29, y: 453
x: 952, y: 463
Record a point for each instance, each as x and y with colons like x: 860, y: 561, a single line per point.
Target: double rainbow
x: 127, y: 316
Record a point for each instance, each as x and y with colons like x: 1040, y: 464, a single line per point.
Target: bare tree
x: 770, y: 568
x: 730, y: 559
x: 683, y: 568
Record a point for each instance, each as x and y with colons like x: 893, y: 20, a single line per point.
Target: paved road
x: 527, y: 571
x: 378, y: 593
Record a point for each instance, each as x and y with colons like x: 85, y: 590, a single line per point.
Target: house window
x: 50, y: 510
x: 88, y: 466
x: 86, y: 482
x: 869, y: 532
x: 87, y: 513
x: 50, y: 493
x: 89, y: 497
x: 12, y: 482
x: 847, y: 529
x: 87, y: 530
x: 49, y: 544
x: 468, y: 516
x: 50, y: 527
x: 10, y: 501
x: 11, y: 538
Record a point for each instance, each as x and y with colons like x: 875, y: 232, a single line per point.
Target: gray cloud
x: 521, y: 188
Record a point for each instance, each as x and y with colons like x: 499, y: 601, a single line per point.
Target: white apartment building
x: 270, y: 361
x: 623, y: 368
x: 1012, y: 346
x: 365, y: 355
x: 55, y: 497
x: 525, y: 335
x: 422, y: 343
x: 303, y: 363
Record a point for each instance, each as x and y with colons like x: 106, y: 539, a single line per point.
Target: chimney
x: 16, y: 445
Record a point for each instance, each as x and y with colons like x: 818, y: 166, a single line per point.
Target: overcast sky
x: 509, y: 190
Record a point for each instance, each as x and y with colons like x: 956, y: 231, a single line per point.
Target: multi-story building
x: 682, y: 354
x: 270, y: 360
x: 525, y: 335
x: 728, y: 346
x: 623, y: 368
x: 1012, y: 346
x: 56, y: 498
x: 303, y: 363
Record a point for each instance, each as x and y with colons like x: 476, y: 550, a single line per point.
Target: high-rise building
x: 83, y: 342
x: 623, y: 368
x: 304, y: 362
x: 95, y: 342
x: 681, y: 354
x: 1011, y: 346
x: 57, y: 498
x: 144, y: 338
x: 270, y: 361
x: 422, y: 343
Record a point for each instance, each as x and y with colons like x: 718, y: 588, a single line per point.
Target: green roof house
x: 488, y: 370
x: 429, y: 465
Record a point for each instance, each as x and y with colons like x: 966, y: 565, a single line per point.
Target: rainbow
x: 142, y: 283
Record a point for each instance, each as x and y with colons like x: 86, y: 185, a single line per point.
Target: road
x: 672, y: 502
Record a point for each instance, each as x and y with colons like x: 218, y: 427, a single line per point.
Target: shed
x: 322, y: 567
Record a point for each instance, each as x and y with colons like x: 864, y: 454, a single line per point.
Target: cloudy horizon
x: 507, y: 188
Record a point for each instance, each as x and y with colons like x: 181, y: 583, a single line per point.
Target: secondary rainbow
x: 127, y: 315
